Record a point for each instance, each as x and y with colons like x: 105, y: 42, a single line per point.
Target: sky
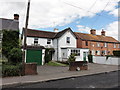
x: 79, y: 15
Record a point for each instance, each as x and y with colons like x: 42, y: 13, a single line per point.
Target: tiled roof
x: 39, y: 33
x: 46, y: 34
x: 91, y: 37
x: 83, y: 36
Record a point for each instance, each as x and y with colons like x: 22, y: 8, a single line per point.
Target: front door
x: 84, y: 56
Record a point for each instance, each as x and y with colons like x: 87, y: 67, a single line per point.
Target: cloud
x: 51, y: 13
x: 83, y: 29
x: 112, y: 29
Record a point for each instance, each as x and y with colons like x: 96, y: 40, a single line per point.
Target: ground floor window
x: 77, y: 52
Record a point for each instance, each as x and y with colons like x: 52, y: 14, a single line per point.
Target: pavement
x: 48, y: 73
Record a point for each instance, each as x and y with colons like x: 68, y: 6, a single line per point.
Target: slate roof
x: 9, y: 24
x: 99, y: 38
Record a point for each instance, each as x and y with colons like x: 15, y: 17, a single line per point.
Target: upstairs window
x: 68, y: 39
x: 105, y: 44
x: 114, y: 45
x: 48, y: 41
x: 35, y: 41
x: 86, y: 43
x: 118, y: 45
x: 98, y: 44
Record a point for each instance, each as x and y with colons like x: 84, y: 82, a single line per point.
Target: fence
x: 109, y: 61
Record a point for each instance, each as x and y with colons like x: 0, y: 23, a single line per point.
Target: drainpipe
x: 57, y: 49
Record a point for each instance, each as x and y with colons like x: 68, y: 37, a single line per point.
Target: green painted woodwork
x: 84, y: 56
x: 34, y: 56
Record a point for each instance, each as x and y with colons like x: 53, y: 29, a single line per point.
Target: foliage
x: 15, y: 55
x: 116, y: 53
x: 90, y: 58
x: 11, y: 70
x: 53, y: 63
x: 108, y: 56
x: 10, y: 40
x: 72, y: 57
x: 48, y: 54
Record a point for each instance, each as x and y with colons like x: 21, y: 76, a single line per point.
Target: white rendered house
x: 63, y: 42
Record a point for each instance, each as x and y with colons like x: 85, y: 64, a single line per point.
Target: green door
x: 34, y: 56
x: 84, y: 56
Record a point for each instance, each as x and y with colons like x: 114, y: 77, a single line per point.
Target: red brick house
x: 97, y: 44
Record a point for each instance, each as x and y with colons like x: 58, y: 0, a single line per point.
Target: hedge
x: 11, y: 70
x: 116, y: 53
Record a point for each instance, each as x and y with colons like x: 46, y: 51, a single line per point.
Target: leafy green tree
x: 10, y: 40
x: 15, y: 55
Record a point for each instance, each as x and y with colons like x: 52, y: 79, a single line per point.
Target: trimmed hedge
x: 116, y: 53
x: 11, y: 70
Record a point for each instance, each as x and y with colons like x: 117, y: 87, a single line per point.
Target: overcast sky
x: 80, y: 15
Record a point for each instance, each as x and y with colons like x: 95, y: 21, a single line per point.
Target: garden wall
x: 109, y: 61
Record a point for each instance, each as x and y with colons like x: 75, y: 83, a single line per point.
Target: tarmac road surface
x: 103, y: 80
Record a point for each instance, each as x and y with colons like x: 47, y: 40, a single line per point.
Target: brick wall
x: 98, y: 46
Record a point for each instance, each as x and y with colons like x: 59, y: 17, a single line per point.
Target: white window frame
x: 48, y: 41
x: 98, y: 44
x: 114, y: 45
x: 35, y: 41
x: 67, y: 39
x: 105, y: 44
x: 98, y: 52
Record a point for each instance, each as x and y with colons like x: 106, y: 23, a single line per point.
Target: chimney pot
x: 103, y: 32
x: 93, y: 31
x: 16, y: 17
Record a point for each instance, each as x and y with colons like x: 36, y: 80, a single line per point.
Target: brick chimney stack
x: 93, y: 31
x: 103, y: 32
x: 56, y: 30
x: 16, y: 17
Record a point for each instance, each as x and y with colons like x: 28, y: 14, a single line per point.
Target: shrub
x: 108, y: 56
x: 90, y: 58
x: 72, y: 57
x: 15, y: 55
x: 11, y: 70
x: 48, y: 54
x: 116, y: 53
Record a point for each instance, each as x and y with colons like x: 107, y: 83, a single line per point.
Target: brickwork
x: 98, y: 47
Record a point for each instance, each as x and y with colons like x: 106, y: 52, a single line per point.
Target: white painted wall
x: 62, y: 42
x: 78, y: 58
x: 41, y: 41
x: 109, y: 61
x: 43, y: 55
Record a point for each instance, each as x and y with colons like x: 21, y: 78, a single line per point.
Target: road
x: 104, y: 80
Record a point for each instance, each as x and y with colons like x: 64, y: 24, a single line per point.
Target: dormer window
x: 68, y: 39
x: 35, y: 41
x: 48, y: 41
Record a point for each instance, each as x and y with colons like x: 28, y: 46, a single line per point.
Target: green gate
x: 34, y: 56
x: 84, y: 56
